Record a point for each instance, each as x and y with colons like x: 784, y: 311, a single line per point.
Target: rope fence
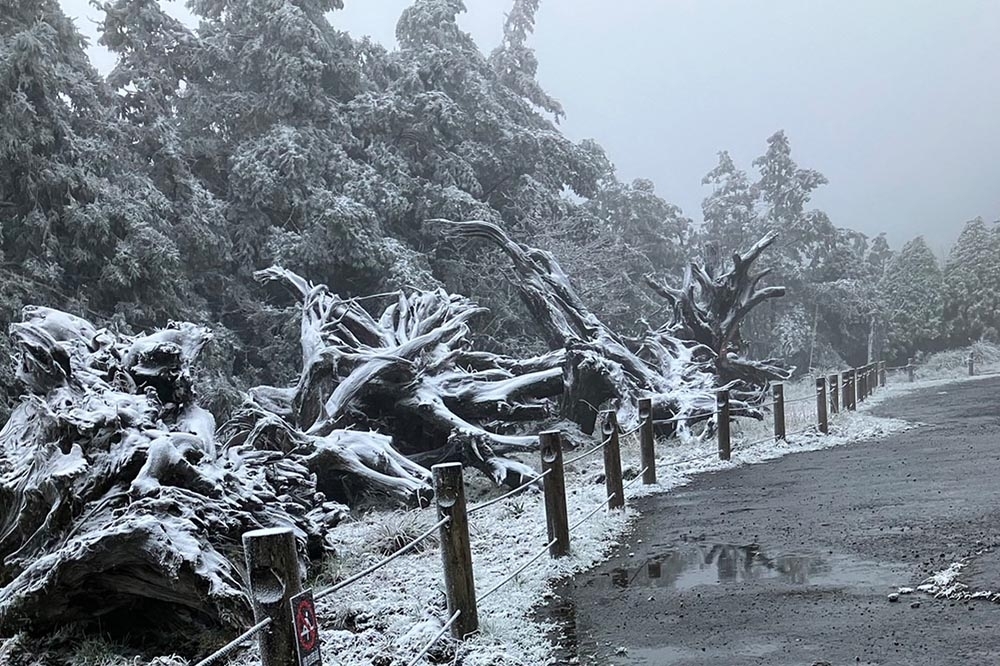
x: 444, y: 629
x: 527, y: 563
x: 381, y: 563
x: 496, y: 500
x: 271, y: 553
x: 231, y: 646
x: 585, y: 454
x: 590, y: 514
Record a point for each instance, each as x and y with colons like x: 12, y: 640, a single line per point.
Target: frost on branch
x: 408, y: 372
x: 601, y: 366
x: 708, y: 310
x: 116, y: 505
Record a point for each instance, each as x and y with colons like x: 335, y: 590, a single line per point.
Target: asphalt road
x: 791, y: 562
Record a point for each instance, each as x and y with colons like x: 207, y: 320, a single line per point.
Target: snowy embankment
x: 389, y: 616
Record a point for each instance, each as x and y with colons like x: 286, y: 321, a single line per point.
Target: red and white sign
x: 306, y: 628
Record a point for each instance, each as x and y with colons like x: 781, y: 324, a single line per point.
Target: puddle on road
x: 689, y: 566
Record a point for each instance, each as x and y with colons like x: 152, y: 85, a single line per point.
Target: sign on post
x: 306, y: 629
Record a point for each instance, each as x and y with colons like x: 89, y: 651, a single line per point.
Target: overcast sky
x: 897, y: 102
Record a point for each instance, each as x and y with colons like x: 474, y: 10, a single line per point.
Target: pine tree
x: 730, y: 211
x: 784, y: 190
x: 82, y: 227
x: 972, y: 284
x: 911, y: 294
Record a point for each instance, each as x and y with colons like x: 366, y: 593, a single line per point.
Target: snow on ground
x: 945, y: 584
x: 389, y: 616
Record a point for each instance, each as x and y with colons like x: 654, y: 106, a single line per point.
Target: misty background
x: 894, y: 102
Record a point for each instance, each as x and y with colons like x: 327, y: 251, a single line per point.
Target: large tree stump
x: 116, y: 505
x: 602, y: 365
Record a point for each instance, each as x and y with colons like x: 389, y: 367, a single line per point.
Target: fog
x: 895, y: 102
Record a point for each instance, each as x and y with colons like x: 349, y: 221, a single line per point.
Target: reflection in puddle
x: 690, y: 565
x: 701, y: 564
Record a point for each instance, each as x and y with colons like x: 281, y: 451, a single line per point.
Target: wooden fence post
x: 554, y: 485
x: 863, y: 384
x: 823, y: 422
x: 456, y: 553
x: 778, y: 391
x: 834, y: 393
x: 647, y: 449
x: 273, y: 570
x: 909, y: 369
x: 972, y: 365
x: 722, y: 409
x: 612, y: 460
x: 881, y: 374
x: 852, y: 389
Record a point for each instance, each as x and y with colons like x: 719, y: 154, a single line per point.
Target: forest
x: 154, y: 194
x: 297, y: 207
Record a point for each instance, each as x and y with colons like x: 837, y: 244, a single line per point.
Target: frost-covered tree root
x: 603, y: 368
x: 708, y: 310
x: 117, y: 508
x: 407, y: 372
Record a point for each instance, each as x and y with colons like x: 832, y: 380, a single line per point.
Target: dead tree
x: 601, y: 367
x: 407, y: 372
x: 708, y: 310
x: 116, y: 505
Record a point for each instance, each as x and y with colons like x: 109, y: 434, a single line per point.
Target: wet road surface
x: 790, y: 562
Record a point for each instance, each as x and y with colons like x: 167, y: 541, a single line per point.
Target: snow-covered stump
x: 117, y: 504
x: 383, y: 396
x: 821, y: 417
x: 709, y: 308
x: 554, y: 487
x: 612, y: 460
x: 603, y: 367
x: 779, y: 411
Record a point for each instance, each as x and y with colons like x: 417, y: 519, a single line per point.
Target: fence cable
x: 634, y: 430
x: 637, y: 477
x: 687, y: 417
x: 437, y: 637
x: 593, y: 511
x: 378, y: 565
x: 527, y: 563
x: 233, y: 644
x: 808, y: 397
x: 586, y: 453
x: 511, y: 493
